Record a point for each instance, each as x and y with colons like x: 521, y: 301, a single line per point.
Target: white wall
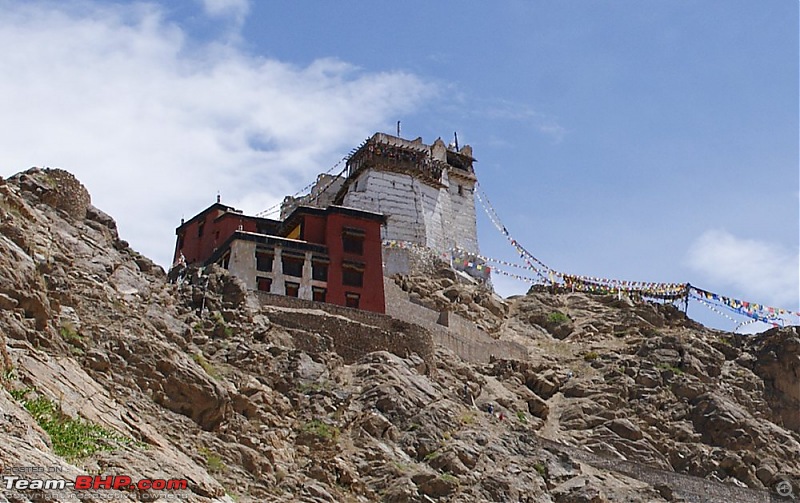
x: 438, y: 218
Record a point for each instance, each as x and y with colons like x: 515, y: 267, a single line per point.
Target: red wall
x: 372, y: 296
x: 314, y: 229
x: 324, y: 229
x: 215, y: 232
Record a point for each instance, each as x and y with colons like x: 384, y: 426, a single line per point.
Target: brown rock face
x: 777, y: 362
x: 611, y: 400
x: 61, y: 190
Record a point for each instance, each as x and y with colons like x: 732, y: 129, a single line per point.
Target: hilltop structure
x: 328, y: 255
x: 425, y: 191
x: 397, y: 204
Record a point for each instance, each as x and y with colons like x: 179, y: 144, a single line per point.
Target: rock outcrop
x: 197, y: 379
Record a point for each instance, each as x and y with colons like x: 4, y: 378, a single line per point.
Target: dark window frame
x: 353, y: 240
x: 353, y: 274
x: 271, y: 259
x: 295, y: 289
x: 352, y: 300
x: 268, y: 281
x: 315, y: 290
x: 292, y: 261
x: 319, y: 269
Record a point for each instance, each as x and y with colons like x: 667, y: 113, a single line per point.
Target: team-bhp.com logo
x: 94, y: 482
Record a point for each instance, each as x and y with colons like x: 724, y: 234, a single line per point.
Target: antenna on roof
x: 455, y: 136
x: 398, y: 129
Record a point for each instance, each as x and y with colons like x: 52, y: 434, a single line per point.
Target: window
x: 264, y: 261
x: 351, y: 299
x: 353, y: 274
x: 318, y: 294
x: 292, y: 266
x: 181, y: 237
x: 292, y: 289
x: 200, y: 227
x: 264, y: 284
x: 353, y: 241
x: 226, y: 260
x: 460, y: 190
x: 319, y: 269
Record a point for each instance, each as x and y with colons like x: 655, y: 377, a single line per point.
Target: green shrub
x: 220, y: 327
x: 19, y: 394
x: 9, y: 374
x: 591, y: 356
x: 207, y: 366
x: 557, y: 318
x: 467, y: 418
x: 321, y: 430
x: 72, y: 438
x: 214, y: 463
x: 432, y: 455
x: 70, y: 335
x: 447, y: 477
x: 665, y: 366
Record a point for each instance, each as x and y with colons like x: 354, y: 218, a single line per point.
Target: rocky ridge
x: 199, y: 380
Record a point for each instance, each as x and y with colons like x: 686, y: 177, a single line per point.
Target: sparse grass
x: 70, y: 335
x: 449, y: 477
x: 402, y: 467
x: 72, y: 438
x: 221, y: 326
x: 207, y: 366
x: 322, y: 430
x: 414, y: 427
x: 521, y: 417
x: 541, y: 469
x: 13, y: 209
x: 214, y: 463
x: 432, y: 455
x: 467, y: 418
x: 650, y: 332
x: 557, y: 317
x: 312, y: 387
x: 665, y: 366
x: 9, y: 374
x: 19, y: 394
x: 591, y: 356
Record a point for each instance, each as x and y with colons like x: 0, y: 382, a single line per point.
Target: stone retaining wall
x: 406, y: 328
x: 461, y: 336
x: 351, y: 333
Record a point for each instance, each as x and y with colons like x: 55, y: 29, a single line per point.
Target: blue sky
x: 653, y: 141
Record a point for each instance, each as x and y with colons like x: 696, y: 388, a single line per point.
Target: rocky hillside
x: 109, y: 369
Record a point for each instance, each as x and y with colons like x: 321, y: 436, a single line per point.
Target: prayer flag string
x: 666, y: 291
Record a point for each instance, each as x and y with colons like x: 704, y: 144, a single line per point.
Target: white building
x: 425, y: 192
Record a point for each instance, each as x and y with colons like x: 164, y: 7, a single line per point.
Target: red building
x: 328, y: 255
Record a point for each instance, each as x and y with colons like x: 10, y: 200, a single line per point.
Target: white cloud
x: 766, y: 272
x: 235, y: 8
x: 155, y: 126
x: 520, y: 112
